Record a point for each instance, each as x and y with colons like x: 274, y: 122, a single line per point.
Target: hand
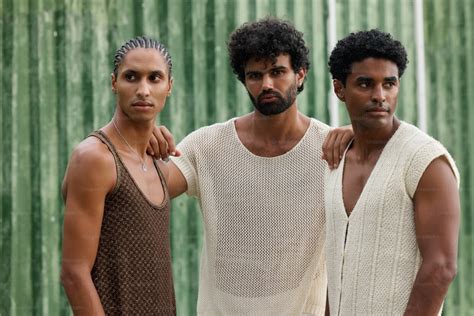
x: 161, y: 144
x: 335, y: 144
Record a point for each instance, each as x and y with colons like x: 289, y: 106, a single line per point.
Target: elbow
x: 442, y: 274
x: 71, y: 276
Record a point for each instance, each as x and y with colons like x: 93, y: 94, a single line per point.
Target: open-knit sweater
x: 263, y: 223
x: 372, y: 255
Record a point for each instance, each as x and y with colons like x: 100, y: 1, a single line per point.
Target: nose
x: 143, y: 89
x: 267, y: 82
x: 378, y: 95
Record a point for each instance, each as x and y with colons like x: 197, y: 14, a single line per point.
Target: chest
x: 355, y: 177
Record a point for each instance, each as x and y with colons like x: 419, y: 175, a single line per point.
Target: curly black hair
x: 365, y: 44
x: 267, y: 38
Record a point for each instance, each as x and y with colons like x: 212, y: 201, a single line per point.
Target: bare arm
x: 335, y: 143
x: 177, y: 184
x: 437, y: 216
x: 90, y: 176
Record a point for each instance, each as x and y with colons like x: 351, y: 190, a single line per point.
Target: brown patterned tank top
x: 132, y: 270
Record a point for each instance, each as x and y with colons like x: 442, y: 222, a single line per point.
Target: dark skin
x: 141, y: 85
x: 370, y: 93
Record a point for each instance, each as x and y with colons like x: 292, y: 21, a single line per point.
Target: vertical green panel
x: 35, y: 160
x: 56, y: 58
x: 7, y: 139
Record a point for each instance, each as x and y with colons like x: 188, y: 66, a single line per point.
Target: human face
x: 272, y: 87
x: 142, y: 84
x: 370, y: 92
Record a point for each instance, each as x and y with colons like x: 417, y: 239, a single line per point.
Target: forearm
x: 430, y: 289
x: 81, y: 293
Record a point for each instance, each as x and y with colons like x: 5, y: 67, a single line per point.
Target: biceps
x: 82, y: 223
x: 437, y: 211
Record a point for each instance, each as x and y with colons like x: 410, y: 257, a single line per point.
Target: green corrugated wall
x: 55, y: 64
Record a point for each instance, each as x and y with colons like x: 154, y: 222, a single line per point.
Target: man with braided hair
x: 116, y: 252
x: 259, y: 182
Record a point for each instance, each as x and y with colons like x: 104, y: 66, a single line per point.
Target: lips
x: 142, y: 103
x: 269, y: 97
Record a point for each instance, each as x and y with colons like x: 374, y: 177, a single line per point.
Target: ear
x: 339, y: 89
x: 170, y: 86
x: 300, y: 75
x: 113, y: 82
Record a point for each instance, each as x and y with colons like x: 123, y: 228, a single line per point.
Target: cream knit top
x: 371, y: 271
x: 263, y: 251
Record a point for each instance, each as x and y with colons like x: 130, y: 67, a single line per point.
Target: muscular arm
x: 177, y: 184
x: 437, y: 213
x: 90, y: 176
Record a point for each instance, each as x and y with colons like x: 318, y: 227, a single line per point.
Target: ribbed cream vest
x: 372, y: 270
x: 263, y: 249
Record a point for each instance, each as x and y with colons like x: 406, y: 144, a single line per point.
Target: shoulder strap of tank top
x: 118, y: 163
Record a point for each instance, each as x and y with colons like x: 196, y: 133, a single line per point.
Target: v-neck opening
x: 372, y: 172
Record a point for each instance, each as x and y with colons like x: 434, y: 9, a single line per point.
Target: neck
x: 136, y: 134
x: 277, y: 127
x: 368, y: 140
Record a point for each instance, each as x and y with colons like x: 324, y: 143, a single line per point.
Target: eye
x: 363, y: 84
x: 130, y: 77
x: 253, y: 76
x: 277, y: 72
x: 154, y: 78
x: 389, y: 84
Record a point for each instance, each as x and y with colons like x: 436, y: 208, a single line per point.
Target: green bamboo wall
x: 55, y: 64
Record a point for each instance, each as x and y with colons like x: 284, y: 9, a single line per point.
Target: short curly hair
x: 365, y: 44
x: 267, y: 38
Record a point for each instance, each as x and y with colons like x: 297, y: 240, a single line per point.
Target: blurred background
x: 55, y: 64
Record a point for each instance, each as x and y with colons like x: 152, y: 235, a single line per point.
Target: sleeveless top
x: 132, y: 271
x: 372, y: 255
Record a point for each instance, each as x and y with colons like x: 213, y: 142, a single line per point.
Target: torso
x: 355, y: 176
x: 147, y: 181
x: 266, y: 145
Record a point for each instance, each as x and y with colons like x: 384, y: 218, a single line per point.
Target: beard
x: 278, y: 106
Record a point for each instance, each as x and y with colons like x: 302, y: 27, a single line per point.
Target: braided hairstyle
x: 141, y: 42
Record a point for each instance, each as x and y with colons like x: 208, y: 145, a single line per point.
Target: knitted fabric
x: 263, y: 223
x: 132, y: 270
x: 371, y: 271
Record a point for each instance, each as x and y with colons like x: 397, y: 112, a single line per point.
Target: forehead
x: 374, y: 67
x: 260, y: 64
x: 144, y: 59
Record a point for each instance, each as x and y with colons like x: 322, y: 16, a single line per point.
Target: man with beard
x: 259, y: 179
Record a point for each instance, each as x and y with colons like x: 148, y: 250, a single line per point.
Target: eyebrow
x: 276, y: 67
x: 369, y: 79
x: 153, y: 72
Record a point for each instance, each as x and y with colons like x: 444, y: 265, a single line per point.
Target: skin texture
x: 264, y: 135
x: 370, y: 94
x: 142, y: 86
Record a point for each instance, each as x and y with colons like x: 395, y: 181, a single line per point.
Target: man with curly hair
x: 259, y: 181
x: 392, y: 206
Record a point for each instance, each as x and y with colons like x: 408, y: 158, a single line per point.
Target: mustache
x: 266, y: 94
x: 378, y: 106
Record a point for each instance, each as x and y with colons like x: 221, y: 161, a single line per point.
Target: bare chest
x: 354, y: 180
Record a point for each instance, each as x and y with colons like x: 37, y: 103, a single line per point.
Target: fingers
x: 336, y: 149
x: 171, y: 150
x: 327, y: 148
x: 345, y: 140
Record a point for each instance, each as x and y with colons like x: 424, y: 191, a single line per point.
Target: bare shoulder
x: 91, y: 164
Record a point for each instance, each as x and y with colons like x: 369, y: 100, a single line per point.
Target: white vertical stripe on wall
x: 331, y: 29
x: 420, y: 65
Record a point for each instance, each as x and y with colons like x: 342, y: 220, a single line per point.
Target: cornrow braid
x: 141, y: 42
